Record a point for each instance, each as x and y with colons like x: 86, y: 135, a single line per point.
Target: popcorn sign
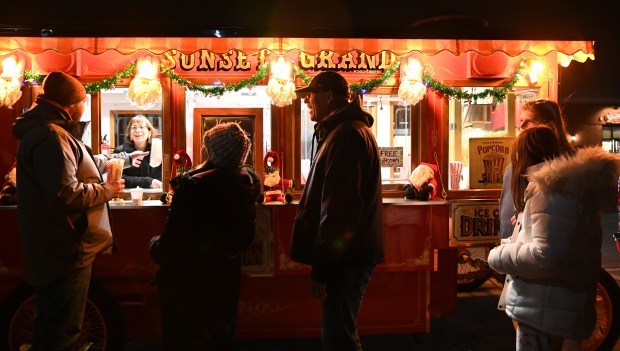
x: 488, y: 157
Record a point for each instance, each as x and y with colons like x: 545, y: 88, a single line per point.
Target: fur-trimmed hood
x: 590, y: 175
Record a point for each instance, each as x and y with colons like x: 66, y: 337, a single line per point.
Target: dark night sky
x: 451, y: 19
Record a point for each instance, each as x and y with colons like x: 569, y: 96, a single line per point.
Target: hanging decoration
x: 411, y: 89
x: 11, y: 81
x: 221, y: 89
x: 281, y: 88
x: 361, y: 88
x: 499, y: 93
x: 145, y: 89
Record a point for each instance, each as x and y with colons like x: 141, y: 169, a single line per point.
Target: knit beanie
x: 227, y: 145
x: 63, y: 89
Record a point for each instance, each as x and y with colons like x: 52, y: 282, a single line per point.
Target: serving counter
x: 417, y: 280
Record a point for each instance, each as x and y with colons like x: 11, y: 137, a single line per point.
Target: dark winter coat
x: 211, y: 221
x: 139, y: 176
x: 211, y: 218
x: 63, y: 211
x: 339, y: 221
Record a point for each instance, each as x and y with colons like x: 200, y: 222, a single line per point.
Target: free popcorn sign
x: 391, y: 156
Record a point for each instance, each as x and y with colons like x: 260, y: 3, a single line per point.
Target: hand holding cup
x: 115, y: 174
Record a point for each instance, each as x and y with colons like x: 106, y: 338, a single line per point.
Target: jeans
x: 60, y: 310
x: 531, y: 339
x: 341, y: 307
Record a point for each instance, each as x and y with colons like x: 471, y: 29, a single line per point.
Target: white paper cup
x: 136, y: 196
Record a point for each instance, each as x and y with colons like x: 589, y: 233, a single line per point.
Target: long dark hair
x: 549, y: 113
x: 533, y: 146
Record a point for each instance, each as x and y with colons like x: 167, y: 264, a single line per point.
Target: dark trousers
x: 340, y: 309
x: 60, y: 310
x: 199, y: 307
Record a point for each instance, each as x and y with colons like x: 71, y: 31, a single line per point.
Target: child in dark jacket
x: 211, y: 221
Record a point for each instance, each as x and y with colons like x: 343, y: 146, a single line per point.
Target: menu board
x: 488, y: 157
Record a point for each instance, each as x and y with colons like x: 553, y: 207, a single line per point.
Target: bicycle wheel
x: 102, y: 327
x: 607, y: 328
x: 469, y: 275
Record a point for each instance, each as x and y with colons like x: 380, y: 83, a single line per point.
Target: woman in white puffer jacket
x: 555, y: 259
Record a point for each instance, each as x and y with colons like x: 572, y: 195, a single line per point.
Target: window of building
x: 393, y: 126
x: 611, y: 138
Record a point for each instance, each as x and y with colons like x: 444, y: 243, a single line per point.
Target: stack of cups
x: 116, y: 170
x: 456, y: 169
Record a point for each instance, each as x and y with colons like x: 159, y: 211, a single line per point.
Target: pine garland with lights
x: 362, y: 88
x: 109, y: 82
x: 499, y: 93
x: 31, y: 77
x: 372, y: 84
x: 218, y: 90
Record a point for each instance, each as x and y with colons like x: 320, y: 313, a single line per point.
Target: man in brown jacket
x: 63, y: 211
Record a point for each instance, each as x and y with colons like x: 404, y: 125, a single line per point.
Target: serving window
x: 480, y: 136
x: 396, y: 126
x: 110, y: 112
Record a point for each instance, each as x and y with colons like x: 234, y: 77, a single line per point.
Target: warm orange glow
x: 280, y: 87
x: 148, y: 68
x: 535, y: 68
x: 11, y: 81
x: 145, y: 88
x: 281, y: 69
x: 413, y: 69
x: 12, y: 68
x: 411, y: 89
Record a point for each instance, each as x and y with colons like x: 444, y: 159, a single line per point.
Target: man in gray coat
x: 63, y: 212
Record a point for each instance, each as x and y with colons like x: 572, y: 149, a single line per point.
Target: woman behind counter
x: 144, y: 172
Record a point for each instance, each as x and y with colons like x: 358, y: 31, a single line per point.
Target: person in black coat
x: 145, y: 171
x: 211, y: 221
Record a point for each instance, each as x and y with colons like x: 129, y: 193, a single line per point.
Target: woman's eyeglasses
x: 138, y: 127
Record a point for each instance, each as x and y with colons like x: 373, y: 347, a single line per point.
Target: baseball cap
x: 326, y: 81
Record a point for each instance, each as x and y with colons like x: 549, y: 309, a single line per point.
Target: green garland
x: 93, y: 87
x: 363, y: 88
x: 499, y: 93
x: 29, y: 76
x: 218, y: 90
x: 109, y: 82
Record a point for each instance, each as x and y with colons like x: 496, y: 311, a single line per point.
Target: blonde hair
x: 140, y: 119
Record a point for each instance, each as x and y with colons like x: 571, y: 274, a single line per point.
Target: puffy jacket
x: 63, y: 212
x: 556, y: 258
x: 339, y: 221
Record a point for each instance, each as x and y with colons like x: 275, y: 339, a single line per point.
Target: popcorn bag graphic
x: 488, y: 159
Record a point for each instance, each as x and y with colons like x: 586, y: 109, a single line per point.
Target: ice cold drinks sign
x: 475, y: 221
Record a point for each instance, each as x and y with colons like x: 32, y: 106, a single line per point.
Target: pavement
x: 477, y: 326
